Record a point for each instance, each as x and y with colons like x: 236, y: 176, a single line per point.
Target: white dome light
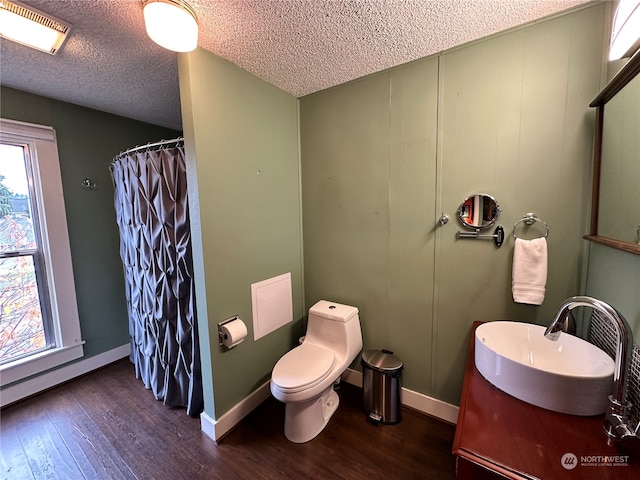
x: 171, y: 24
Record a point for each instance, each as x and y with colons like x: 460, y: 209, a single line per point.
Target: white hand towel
x: 529, y: 270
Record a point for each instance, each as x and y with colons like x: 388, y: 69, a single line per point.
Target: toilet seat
x: 302, y: 368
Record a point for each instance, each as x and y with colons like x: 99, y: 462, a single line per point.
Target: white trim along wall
x: 217, y: 429
x: 31, y: 386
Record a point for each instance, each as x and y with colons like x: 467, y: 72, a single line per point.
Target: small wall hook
x: 88, y: 184
x: 444, y: 219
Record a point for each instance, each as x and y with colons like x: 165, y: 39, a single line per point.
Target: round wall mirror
x: 478, y: 211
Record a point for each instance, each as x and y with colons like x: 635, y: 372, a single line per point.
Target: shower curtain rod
x: 151, y: 146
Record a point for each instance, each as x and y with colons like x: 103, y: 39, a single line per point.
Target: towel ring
x: 530, y: 219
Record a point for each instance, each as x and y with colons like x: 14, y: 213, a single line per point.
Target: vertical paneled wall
x: 368, y: 151
x: 382, y: 157
x: 516, y: 124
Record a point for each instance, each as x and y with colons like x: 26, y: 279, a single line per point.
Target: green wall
x: 368, y: 170
x: 87, y: 142
x: 384, y: 156
x: 241, y: 137
x: 614, y: 277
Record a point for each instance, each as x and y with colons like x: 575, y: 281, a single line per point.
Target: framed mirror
x: 479, y: 211
x: 615, y: 203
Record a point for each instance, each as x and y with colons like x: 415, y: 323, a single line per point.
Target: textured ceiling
x: 302, y: 46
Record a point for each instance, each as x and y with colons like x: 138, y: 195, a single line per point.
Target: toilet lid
x: 303, y: 367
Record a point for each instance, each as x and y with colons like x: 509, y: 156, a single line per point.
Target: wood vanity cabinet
x: 498, y: 436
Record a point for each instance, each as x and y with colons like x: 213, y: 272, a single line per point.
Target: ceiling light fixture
x: 172, y: 24
x: 33, y: 28
x: 625, y: 34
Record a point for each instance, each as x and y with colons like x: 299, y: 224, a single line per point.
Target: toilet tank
x: 333, y: 311
x: 335, y: 326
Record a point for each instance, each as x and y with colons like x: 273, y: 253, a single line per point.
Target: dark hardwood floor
x: 105, y: 425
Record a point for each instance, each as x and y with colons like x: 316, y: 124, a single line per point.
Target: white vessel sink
x: 569, y: 375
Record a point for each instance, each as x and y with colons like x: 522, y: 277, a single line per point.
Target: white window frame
x: 43, y: 148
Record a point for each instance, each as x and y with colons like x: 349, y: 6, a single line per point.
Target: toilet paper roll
x: 233, y: 333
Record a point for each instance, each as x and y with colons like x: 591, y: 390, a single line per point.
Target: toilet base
x: 303, y: 421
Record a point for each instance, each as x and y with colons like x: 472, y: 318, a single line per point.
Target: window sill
x: 38, y: 363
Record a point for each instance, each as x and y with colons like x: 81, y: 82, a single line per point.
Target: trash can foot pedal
x: 375, y: 418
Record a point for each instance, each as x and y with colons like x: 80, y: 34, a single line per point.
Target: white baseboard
x: 418, y: 401
x: 216, y: 429
x: 430, y: 406
x: 31, y: 386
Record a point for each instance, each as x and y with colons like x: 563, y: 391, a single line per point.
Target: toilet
x: 303, y: 378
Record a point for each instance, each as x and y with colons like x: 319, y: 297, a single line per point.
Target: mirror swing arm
x: 497, y: 236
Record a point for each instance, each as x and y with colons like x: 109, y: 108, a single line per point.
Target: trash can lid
x: 382, y: 360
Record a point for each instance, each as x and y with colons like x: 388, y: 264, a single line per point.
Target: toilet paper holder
x: 222, y: 336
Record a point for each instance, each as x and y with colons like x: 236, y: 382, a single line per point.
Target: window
x: 25, y: 324
x: 39, y: 324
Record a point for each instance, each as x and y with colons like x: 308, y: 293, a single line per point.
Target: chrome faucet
x: 616, y: 424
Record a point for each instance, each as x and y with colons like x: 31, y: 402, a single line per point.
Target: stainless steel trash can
x: 381, y: 371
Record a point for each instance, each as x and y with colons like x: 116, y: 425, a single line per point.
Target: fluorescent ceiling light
x: 171, y: 24
x: 625, y: 34
x: 33, y: 28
